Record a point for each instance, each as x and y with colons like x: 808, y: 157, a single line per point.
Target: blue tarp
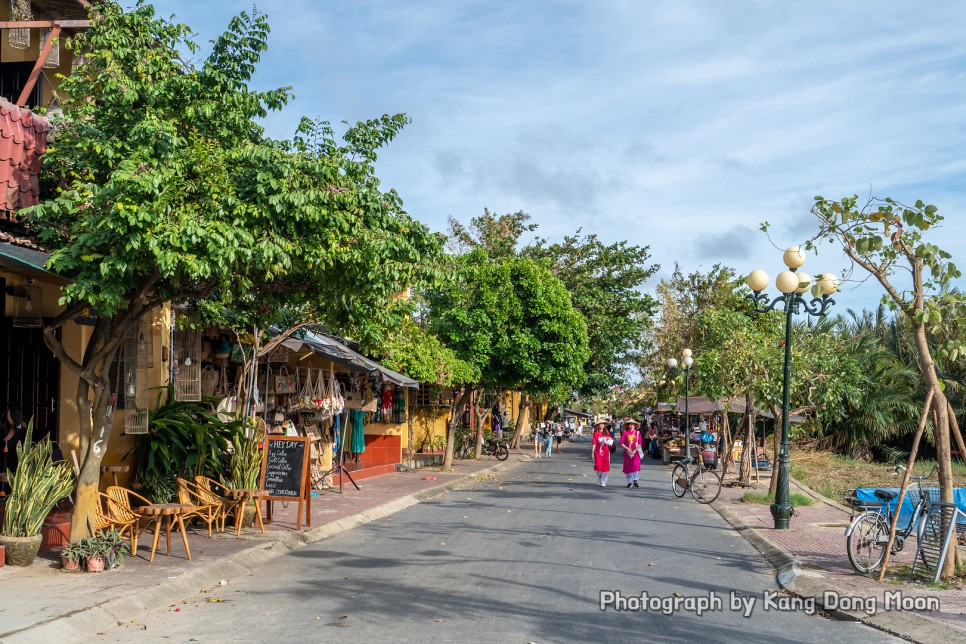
x: 867, y: 494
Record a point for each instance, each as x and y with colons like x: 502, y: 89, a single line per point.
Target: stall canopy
x: 579, y: 414
x: 334, y: 350
x: 700, y: 405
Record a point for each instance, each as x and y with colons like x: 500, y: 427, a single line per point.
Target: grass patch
x: 797, y: 498
x: 836, y: 476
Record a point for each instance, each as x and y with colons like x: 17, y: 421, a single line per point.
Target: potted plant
x: 35, y: 488
x: 114, y: 547
x: 95, y: 553
x: 71, y: 555
x: 245, y: 466
x: 438, y: 443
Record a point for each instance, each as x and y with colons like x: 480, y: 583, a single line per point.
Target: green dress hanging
x: 357, y: 443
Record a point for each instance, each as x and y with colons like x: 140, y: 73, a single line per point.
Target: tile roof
x: 23, y: 141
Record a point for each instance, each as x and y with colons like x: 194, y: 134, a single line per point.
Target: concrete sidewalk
x: 41, y: 603
x: 812, y: 561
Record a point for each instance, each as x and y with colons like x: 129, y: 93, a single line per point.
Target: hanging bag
x: 321, y: 397
x: 210, y: 378
x: 285, y: 382
x: 308, y: 391
x: 335, y: 392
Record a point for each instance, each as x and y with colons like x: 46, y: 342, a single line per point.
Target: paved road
x: 521, y: 557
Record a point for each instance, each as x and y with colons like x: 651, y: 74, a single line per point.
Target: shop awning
x: 18, y: 258
x: 574, y: 412
x: 330, y: 348
x: 397, y: 378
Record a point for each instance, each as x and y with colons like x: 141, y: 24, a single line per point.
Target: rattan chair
x: 114, y: 510
x: 205, y: 505
x: 229, y: 504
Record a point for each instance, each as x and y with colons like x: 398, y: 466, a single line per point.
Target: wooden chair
x: 229, y: 504
x: 115, y: 511
x: 205, y: 505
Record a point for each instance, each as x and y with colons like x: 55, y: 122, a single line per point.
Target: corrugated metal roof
x: 339, y: 353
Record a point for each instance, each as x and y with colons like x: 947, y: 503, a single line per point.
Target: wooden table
x: 168, y: 513
x: 114, y: 470
x: 244, y: 496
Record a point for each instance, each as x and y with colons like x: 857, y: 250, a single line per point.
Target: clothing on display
x: 357, y: 444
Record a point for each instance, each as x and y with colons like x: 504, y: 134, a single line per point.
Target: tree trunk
x: 940, y: 405
x: 521, y: 417
x: 483, y: 410
x: 725, y: 440
x: 744, y: 472
x: 462, y: 400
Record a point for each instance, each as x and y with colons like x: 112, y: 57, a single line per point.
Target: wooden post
x: 905, y: 482
x: 38, y: 66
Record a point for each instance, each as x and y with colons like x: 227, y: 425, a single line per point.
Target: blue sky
x: 677, y: 124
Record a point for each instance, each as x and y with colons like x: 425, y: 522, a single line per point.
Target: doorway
x: 30, y: 377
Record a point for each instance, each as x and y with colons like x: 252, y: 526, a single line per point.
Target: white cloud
x: 671, y: 123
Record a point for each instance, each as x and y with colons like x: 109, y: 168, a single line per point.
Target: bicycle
x: 868, y: 531
x: 704, y: 483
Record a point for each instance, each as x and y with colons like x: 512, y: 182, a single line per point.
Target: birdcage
x: 187, y: 365
x: 19, y: 12
x: 134, y: 380
x: 53, y: 57
x: 28, y: 304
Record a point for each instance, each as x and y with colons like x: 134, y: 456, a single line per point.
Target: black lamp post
x: 673, y: 364
x: 793, y: 285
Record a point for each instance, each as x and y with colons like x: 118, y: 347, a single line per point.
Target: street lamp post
x: 793, y: 285
x: 673, y: 364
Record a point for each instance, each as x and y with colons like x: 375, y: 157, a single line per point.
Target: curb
x: 110, y: 614
x: 809, y: 586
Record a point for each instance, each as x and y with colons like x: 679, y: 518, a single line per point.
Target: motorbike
x: 499, y: 447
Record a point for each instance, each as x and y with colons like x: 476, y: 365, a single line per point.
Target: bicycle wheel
x: 705, y: 485
x: 501, y: 453
x: 679, y: 480
x: 866, y: 543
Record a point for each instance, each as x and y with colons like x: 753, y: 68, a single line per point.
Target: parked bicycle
x: 493, y: 447
x: 868, y: 532
x: 703, y: 482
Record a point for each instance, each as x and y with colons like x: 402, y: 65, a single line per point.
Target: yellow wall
x: 74, y: 338
x: 49, y: 75
x: 428, y: 422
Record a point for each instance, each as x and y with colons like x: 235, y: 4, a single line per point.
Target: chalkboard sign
x: 285, y: 471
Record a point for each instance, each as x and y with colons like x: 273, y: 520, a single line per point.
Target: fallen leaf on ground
x: 438, y: 619
x: 338, y: 624
x: 212, y: 600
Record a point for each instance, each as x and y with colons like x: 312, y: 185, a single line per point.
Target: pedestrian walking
x: 548, y: 438
x: 558, y: 434
x: 602, y: 442
x: 631, y: 442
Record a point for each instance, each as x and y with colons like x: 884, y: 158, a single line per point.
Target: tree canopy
x: 160, y: 186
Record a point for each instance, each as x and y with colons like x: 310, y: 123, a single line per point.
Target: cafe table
x: 169, y: 513
x: 243, y: 496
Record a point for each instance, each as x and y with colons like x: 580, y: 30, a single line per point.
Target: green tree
x: 882, y: 236
x: 164, y: 188
x: 604, y: 281
x: 514, y: 320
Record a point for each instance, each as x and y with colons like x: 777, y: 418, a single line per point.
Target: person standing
x: 631, y: 442
x: 558, y: 433
x: 602, y: 441
x: 548, y: 438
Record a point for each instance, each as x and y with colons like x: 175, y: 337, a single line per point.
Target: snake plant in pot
x: 245, y: 467
x: 36, y: 486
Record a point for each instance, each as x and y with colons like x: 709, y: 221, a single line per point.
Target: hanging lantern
x: 53, y: 57
x: 28, y: 304
x: 19, y: 12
